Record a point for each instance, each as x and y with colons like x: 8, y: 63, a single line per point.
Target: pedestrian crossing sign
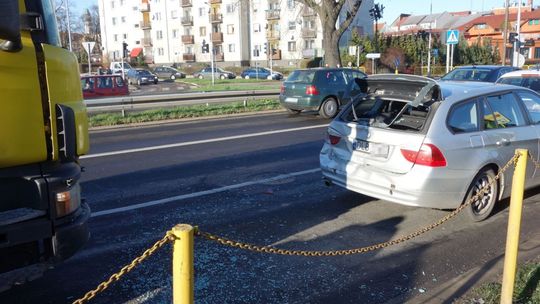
x: 452, y: 37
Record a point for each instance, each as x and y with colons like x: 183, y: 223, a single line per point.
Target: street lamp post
x: 68, y: 25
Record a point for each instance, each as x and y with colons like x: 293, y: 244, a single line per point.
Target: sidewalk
x: 491, y: 271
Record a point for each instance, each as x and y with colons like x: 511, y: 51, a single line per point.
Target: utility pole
x: 505, y: 39
x: 429, y: 41
x: 517, y: 42
x: 68, y: 25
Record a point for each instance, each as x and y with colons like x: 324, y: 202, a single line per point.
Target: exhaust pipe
x: 327, y: 182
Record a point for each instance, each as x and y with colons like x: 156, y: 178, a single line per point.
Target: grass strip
x: 526, y: 288
x: 112, y: 119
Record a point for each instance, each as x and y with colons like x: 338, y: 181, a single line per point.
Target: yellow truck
x: 43, y: 131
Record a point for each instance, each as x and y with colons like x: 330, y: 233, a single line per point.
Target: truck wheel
x: 482, y: 208
x: 200, y: 77
x: 329, y: 108
x: 246, y: 77
x: 222, y: 77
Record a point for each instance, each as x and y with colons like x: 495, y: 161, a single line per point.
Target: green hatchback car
x: 321, y: 89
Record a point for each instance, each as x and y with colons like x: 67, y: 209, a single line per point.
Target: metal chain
x: 115, y: 277
x: 274, y: 250
x: 535, y: 162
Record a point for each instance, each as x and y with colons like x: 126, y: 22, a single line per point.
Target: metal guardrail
x: 179, y: 99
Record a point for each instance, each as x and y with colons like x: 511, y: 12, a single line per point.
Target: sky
x: 395, y: 7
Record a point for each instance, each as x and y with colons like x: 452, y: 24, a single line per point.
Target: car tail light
x: 428, y: 155
x: 282, y: 89
x: 332, y: 139
x: 311, y: 90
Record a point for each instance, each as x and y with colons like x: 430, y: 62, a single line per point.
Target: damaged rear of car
x: 380, y: 145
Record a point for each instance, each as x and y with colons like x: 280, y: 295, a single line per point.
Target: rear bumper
x: 301, y: 103
x: 420, y: 187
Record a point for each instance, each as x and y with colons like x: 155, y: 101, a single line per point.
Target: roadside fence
x: 182, y: 237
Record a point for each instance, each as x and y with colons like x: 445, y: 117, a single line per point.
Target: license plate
x: 291, y: 99
x: 360, y: 145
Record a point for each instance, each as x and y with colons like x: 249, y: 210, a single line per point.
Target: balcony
x: 187, y: 20
x: 308, y: 12
x: 215, y: 1
x: 217, y: 37
x: 220, y: 57
x: 188, y: 57
x: 216, y: 18
x: 145, y: 25
x: 272, y: 35
x: 144, y: 7
x: 309, y: 33
x: 146, y: 41
x: 309, y: 53
x: 273, y: 14
x: 188, y: 39
x: 276, y: 55
x: 186, y: 3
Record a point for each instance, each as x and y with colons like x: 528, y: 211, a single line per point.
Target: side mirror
x: 10, y: 26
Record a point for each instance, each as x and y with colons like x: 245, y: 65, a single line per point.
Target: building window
x: 231, y: 48
x: 187, y: 31
x: 230, y: 8
x: 291, y: 46
x: 112, y: 4
x: 202, y: 31
x: 157, y: 16
x: 257, y: 51
x: 138, y: 42
x: 125, y: 36
x: 308, y: 44
x: 122, y: 2
x: 136, y: 25
x: 290, y: 4
x: 115, y: 38
x: 230, y: 29
x: 189, y: 49
x: 160, y: 51
x: 256, y: 27
x: 292, y: 25
x: 481, y: 26
x: 159, y: 35
x: 534, y: 22
x: 175, y: 33
x: 114, y: 20
x: 537, y: 53
x: 202, y: 11
x: 123, y: 19
x: 135, y: 8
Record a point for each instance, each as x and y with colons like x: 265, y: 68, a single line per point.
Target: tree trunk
x: 330, y: 45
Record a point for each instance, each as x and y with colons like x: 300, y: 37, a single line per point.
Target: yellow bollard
x: 183, y: 270
x: 396, y: 72
x: 514, y: 223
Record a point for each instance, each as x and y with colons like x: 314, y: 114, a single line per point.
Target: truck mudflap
x: 69, y: 237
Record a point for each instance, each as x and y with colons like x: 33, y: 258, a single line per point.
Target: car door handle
x: 503, y: 143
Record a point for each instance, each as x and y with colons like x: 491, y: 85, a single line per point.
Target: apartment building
x: 241, y: 32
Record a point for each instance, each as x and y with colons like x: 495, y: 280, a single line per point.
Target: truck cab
x: 43, y: 131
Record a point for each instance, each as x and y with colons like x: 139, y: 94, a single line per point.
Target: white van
x: 116, y: 67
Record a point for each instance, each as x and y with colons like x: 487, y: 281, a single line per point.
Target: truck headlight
x: 68, y: 201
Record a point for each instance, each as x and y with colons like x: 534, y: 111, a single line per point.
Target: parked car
x: 414, y: 141
x: 523, y: 78
x: 218, y: 73
x: 94, y: 86
x: 260, y: 73
x: 141, y: 76
x: 485, y: 73
x: 116, y: 67
x: 168, y: 73
x: 322, y: 89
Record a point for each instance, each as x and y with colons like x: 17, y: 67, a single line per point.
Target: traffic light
x: 266, y: 47
x: 124, y: 49
x: 512, y: 37
x: 205, y: 47
x: 274, y: 51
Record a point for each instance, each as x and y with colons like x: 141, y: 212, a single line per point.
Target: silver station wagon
x: 418, y: 142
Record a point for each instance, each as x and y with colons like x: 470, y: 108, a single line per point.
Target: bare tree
x: 328, y: 12
x: 91, y: 26
x: 75, y: 24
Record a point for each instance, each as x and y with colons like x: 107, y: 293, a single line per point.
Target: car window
x: 532, y: 103
x: 302, y: 76
x: 87, y: 84
x: 119, y: 81
x: 502, y: 111
x: 511, y: 80
x: 104, y: 83
x: 158, y: 70
x: 334, y: 78
x: 464, y: 117
x: 473, y: 74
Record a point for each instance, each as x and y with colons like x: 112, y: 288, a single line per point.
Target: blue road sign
x: 435, y: 52
x: 452, y: 37
x: 397, y: 62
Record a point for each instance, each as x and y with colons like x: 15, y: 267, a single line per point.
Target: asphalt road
x: 255, y: 179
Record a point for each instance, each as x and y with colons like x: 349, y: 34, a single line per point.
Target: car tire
x: 155, y: 81
x: 200, y: 76
x: 221, y: 76
x: 173, y: 77
x: 246, y: 77
x: 481, y: 209
x: 329, y: 108
x: 139, y: 82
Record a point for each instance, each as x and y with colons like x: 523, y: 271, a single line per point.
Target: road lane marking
x: 197, y: 142
x: 201, y: 193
